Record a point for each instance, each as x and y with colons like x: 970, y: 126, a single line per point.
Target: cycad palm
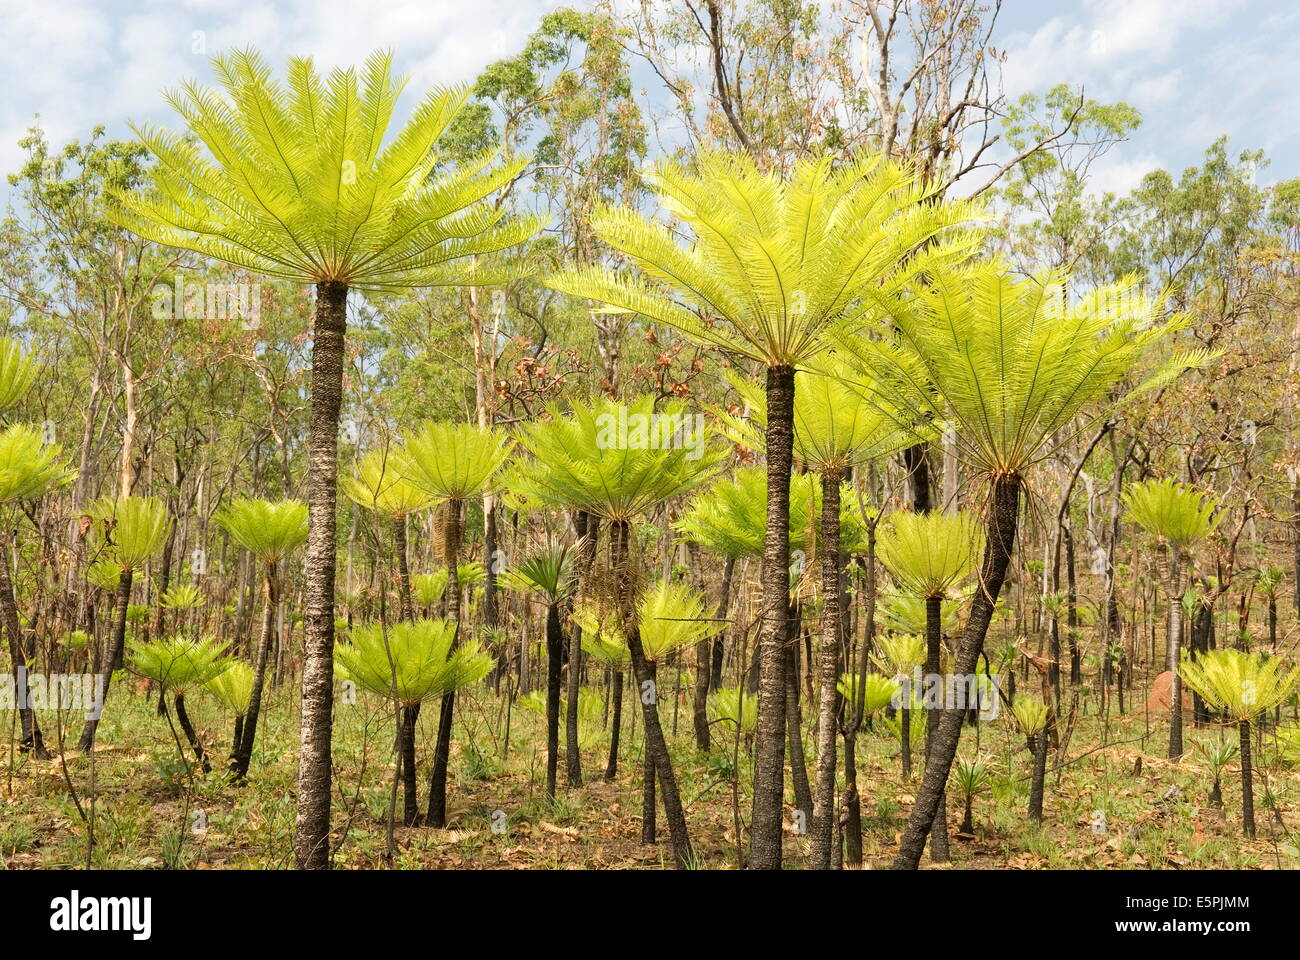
x: 1244, y: 686
x: 1180, y: 516
x: 307, y: 182
x: 547, y: 574
x: 27, y: 470
x: 451, y: 463
x: 131, y: 531
x: 1018, y: 371
x: 769, y: 265
x: 179, y: 665
x: 928, y: 555
x: 270, y: 530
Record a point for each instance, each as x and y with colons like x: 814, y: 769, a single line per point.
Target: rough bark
x: 828, y: 673
x: 312, y: 828
x: 939, y: 851
x: 114, y: 655
x: 437, y: 815
x: 240, y: 762
x: 554, y: 656
x: 1174, y: 596
x: 1247, y: 787
x: 30, y: 726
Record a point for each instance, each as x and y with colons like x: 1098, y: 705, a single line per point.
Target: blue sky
x: 1197, y: 69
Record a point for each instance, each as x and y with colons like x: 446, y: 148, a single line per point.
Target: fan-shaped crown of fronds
x: 271, y: 529
x: 305, y: 181
x: 930, y: 553
x: 614, y: 460
x: 669, y: 616
x: 1243, y: 685
x: 729, y: 517
x: 179, y: 664
x: 29, y: 468
x: 451, y: 461
x: 379, y: 486
x: 134, y: 528
x: 1014, y: 367
x: 770, y: 262
x: 1167, y: 509
x: 17, y: 373
x: 411, y: 662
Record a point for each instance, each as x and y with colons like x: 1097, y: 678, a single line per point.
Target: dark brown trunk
x: 828, y: 673
x: 437, y: 815
x: 939, y: 852
x: 406, y: 749
x: 312, y: 828
x: 1247, y: 787
x: 616, y: 722
x: 1004, y: 505
x: 769, y: 733
x: 31, y: 728
x: 240, y: 763
x: 109, y: 664
x: 554, y: 656
x: 184, y: 718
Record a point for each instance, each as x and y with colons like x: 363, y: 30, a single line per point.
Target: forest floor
x: 1103, y: 810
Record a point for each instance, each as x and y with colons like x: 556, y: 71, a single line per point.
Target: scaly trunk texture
x: 828, y: 674
x: 87, y: 741
x: 240, y: 762
x: 554, y: 654
x: 312, y: 830
x: 1039, y: 777
x: 31, y: 728
x: 572, y: 749
x: 406, y: 749
x: 803, y: 801
x: 939, y: 852
x: 719, y: 641
x: 1004, y: 507
x: 1174, y: 595
x: 769, y: 732
x: 616, y: 721
x: 655, y: 745
x: 648, y: 776
x: 437, y: 815
x: 403, y: 570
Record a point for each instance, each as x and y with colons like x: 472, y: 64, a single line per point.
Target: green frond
x: 270, y: 529
x: 182, y: 596
x: 451, y: 461
x: 548, y: 572
x: 1242, y: 685
x: 729, y: 706
x: 376, y: 485
x: 134, y: 528
x: 877, y: 690
x: 1030, y: 714
x: 179, y: 664
x: 1171, y: 511
x: 900, y: 652
x: 930, y: 554
x: 17, y: 373
x: 411, y: 662
x: 29, y: 468
x: 233, y: 687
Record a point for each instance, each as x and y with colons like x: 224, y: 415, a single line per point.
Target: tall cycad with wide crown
x: 1244, y: 686
x: 769, y: 263
x: 131, y: 531
x: 835, y: 430
x: 27, y: 470
x: 586, y: 462
x: 270, y: 530
x: 451, y: 463
x: 929, y: 555
x: 307, y: 182
x: 1180, y: 516
x: 1018, y: 368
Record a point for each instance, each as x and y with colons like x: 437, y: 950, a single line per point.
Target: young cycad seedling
x: 971, y: 778
x: 1217, y: 755
x: 131, y: 531
x: 411, y: 663
x: 901, y: 654
x: 179, y: 665
x: 1243, y: 686
x: 1031, y: 715
x: 732, y: 706
x: 1180, y: 516
x: 270, y: 530
x: 28, y: 469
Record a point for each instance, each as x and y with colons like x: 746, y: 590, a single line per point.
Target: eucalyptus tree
x: 548, y: 574
x: 28, y: 470
x: 769, y: 264
x: 411, y: 662
x: 1180, y: 516
x: 450, y: 463
x: 130, y: 532
x: 835, y: 430
x: 1018, y: 370
x: 307, y: 182
x: 929, y: 555
x: 1243, y: 686
x: 584, y: 462
x: 270, y: 530
x: 668, y: 617
x: 378, y: 487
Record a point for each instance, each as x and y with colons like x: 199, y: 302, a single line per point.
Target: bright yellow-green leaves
x: 270, y: 529
x: 17, y: 373
x: 233, y: 687
x: 1242, y: 685
x: 669, y: 616
x: 1012, y: 364
x: 179, y: 664
x: 772, y: 261
x: 1030, y: 714
x: 1178, y: 514
x: 304, y: 181
x: 451, y: 461
x: 928, y: 554
x: 134, y: 528
x: 29, y: 468
x: 411, y: 662
x: 379, y: 486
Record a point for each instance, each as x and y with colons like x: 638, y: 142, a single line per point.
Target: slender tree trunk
x: 724, y: 608
x: 184, y: 718
x: 1003, y: 515
x: 939, y: 851
x: 616, y: 721
x: 803, y: 802
x: 1039, y: 777
x: 437, y: 816
x: 554, y: 656
x: 1174, y: 594
x: 1247, y: 787
x: 312, y: 828
x: 240, y: 763
x: 648, y: 776
x: 769, y: 733
x: 828, y: 673
x: 407, y: 606
x: 406, y: 747
x: 31, y: 728
x: 572, y: 748
x: 114, y: 654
